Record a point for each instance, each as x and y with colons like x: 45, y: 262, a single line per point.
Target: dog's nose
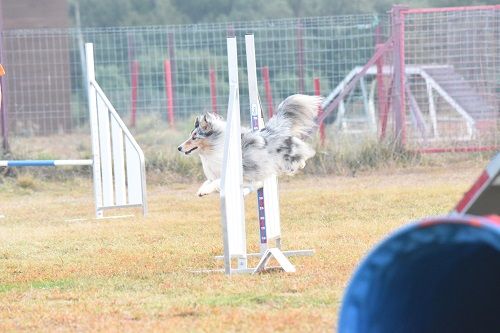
x: 179, y: 148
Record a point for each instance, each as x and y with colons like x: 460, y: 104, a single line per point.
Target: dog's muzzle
x: 186, y: 152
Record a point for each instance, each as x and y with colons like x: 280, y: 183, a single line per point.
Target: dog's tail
x: 296, y: 115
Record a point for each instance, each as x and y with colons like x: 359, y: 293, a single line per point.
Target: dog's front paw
x: 208, y: 187
x: 202, y: 191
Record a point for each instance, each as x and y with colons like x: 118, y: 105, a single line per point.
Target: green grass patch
x: 52, y: 284
x: 43, y: 284
x: 8, y: 287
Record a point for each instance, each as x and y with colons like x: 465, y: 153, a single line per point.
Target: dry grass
x: 343, y: 153
x: 134, y: 274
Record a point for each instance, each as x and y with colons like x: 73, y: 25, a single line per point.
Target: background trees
x: 101, y: 13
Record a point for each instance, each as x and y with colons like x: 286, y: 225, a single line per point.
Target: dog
x: 277, y: 149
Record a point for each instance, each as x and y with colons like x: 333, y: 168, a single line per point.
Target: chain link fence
x: 171, y: 72
x: 164, y: 75
x: 452, y: 65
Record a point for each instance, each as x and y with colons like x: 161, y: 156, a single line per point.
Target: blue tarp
x: 436, y: 275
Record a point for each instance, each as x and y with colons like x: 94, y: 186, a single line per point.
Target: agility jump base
x: 232, y: 197
x: 436, y: 275
x: 118, y: 163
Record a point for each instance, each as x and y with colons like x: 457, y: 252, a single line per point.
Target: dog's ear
x: 205, y: 122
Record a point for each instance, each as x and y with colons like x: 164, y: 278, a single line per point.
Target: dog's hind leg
x: 209, y: 186
x: 251, y: 187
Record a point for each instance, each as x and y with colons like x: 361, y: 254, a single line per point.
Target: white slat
x: 233, y: 179
x: 118, y: 162
x: 94, y: 128
x: 232, y: 169
x: 106, y: 156
x: 271, y: 199
x: 133, y: 174
x: 271, y: 202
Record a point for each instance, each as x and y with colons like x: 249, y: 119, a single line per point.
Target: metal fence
x: 450, y: 68
x: 172, y: 72
x: 452, y: 65
x: 434, y: 84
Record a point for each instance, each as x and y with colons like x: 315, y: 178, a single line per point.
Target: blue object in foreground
x: 436, y: 275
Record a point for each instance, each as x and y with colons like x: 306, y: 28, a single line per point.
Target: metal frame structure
x: 431, y: 85
x: 483, y: 198
x: 232, y: 200
x: 401, y: 94
x: 118, y: 163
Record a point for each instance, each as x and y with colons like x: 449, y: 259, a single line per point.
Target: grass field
x: 134, y: 274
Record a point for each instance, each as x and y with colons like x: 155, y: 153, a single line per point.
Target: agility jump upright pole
x: 271, y: 184
x: 267, y: 197
x: 231, y: 194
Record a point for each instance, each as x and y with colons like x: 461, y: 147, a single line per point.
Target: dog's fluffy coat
x: 277, y: 149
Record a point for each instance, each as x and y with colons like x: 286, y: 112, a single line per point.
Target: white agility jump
x: 118, y: 163
x: 231, y: 194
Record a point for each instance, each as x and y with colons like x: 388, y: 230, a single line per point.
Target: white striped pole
x: 44, y: 163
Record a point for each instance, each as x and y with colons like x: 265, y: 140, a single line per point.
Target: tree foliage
x: 102, y: 13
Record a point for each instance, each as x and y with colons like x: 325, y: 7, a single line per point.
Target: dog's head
x: 203, y: 134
